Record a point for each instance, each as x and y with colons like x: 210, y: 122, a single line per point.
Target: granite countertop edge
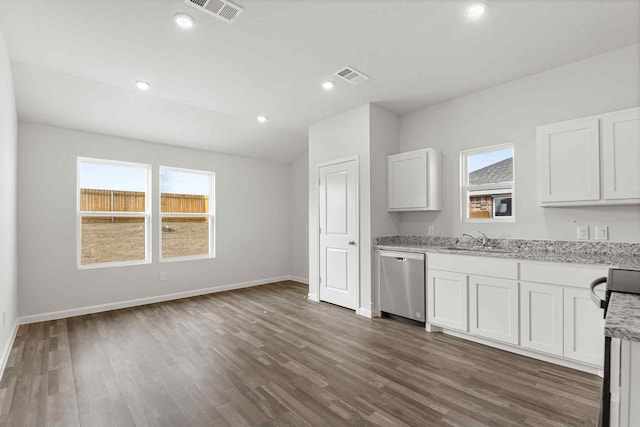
x: 605, y: 260
x: 623, y: 317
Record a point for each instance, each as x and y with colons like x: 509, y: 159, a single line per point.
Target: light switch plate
x: 583, y: 232
x: 432, y: 230
x: 602, y: 232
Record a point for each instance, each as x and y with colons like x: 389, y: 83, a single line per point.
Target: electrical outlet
x: 163, y: 276
x: 583, y: 232
x: 431, y: 230
x: 602, y: 232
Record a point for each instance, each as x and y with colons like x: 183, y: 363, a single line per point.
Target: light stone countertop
x: 623, y: 317
x: 622, y: 255
x: 566, y: 257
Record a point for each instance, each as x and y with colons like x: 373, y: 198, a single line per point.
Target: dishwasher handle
x: 402, y: 256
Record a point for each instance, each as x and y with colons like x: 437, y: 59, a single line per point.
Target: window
x: 186, y: 212
x: 113, y: 213
x: 487, y: 184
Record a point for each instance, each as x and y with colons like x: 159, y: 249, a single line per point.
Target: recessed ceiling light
x: 328, y: 85
x: 475, y: 11
x: 262, y: 119
x: 142, y: 85
x: 183, y: 20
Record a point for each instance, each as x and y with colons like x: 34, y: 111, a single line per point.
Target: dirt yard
x: 112, y: 242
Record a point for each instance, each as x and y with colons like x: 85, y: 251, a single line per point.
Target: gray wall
x: 252, y: 239
x: 8, y: 245
x: 299, y: 218
x: 510, y: 113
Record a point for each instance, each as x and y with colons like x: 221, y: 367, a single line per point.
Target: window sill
x: 112, y: 264
x: 187, y: 258
x: 510, y: 219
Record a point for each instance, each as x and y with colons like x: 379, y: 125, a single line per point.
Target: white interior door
x: 338, y: 234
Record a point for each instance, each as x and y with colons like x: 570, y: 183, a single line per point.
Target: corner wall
x: 299, y: 218
x: 8, y: 236
x: 252, y: 224
x: 510, y: 113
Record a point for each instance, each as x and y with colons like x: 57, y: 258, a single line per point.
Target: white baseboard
x: 526, y: 352
x: 54, y: 315
x: 299, y: 279
x: 6, y: 351
x: 365, y: 312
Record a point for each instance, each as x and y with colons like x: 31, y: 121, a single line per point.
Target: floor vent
x: 221, y: 9
x: 351, y: 75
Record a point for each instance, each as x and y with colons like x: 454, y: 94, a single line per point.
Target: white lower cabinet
x: 583, y: 327
x: 544, y: 308
x: 541, y: 318
x: 493, y: 308
x: 447, y: 299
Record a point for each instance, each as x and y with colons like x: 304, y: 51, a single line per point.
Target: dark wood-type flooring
x: 266, y: 356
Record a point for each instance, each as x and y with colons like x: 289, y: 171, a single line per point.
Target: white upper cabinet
x: 591, y: 161
x: 413, y: 181
x: 569, y: 165
x: 621, y: 155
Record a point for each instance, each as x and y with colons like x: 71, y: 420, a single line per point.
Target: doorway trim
x: 317, y: 217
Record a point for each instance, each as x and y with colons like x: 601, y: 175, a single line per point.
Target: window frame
x: 146, y: 214
x: 211, y: 215
x: 485, y: 189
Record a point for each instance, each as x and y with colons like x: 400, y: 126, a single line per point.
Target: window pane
x: 112, y: 239
x: 185, y: 237
x: 490, y: 167
x: 184, y: 192
x: 112, y: 188
x: 493, y: 205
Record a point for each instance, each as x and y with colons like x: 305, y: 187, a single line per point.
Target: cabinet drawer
x: 478, y: 266
x: 578, y: 275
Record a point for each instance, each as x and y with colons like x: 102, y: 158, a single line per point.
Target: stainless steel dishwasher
x: 402, y: 284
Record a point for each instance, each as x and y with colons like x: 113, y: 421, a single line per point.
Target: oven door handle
x: 594, y: 297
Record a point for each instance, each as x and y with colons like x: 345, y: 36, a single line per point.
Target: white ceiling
x: 75, y: 61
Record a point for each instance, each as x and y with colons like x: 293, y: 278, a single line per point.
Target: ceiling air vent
x: 221, y: 9
x: 351, y: 75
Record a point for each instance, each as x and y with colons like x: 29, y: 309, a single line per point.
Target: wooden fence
x: 92, y: 200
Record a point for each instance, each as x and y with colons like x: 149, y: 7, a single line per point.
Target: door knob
x: 352, y: 243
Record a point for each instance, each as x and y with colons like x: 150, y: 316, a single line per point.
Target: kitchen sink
x: 487, y: 249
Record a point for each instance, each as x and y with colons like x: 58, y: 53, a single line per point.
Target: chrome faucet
x: 484, y: 239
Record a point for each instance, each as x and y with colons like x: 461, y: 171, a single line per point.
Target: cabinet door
x: 569, y: 161
x: 583, y: 327
x: 447, y: 299
x: 541, y: 317
x: 621, y: 155
x: 493, y: 310
x: 407, y: 180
